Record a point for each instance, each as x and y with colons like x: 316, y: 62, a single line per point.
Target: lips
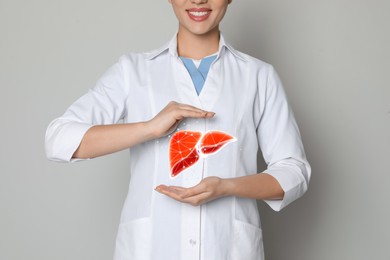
x: 198, y: 14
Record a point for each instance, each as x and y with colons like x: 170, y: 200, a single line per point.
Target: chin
x: 199, y: 31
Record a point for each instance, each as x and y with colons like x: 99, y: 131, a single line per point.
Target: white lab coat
x: 250, y: 104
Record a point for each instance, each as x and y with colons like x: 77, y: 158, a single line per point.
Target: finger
x: 194, y: 191
x: 198, y: 199
x: 202, y: 113
x: 192, y: 108
x: 210, y: 114
x: 186, y: 106
x: 175, y: 105
x: 180, y: 191
x: 171, y: 192
x: 181, y: 194
x: 184, y: 113
x: 194, y: 196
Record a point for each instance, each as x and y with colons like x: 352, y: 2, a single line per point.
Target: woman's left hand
x: 208, y: 189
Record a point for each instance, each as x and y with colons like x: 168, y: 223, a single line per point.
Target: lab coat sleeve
x: 105, y: 103
x: 281, y: 144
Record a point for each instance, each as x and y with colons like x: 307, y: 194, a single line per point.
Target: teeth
x: 199, y: 13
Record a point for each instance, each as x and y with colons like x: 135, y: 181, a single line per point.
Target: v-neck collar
x: 198, y: 75
x: 211, y: 90
x: 213, y: 85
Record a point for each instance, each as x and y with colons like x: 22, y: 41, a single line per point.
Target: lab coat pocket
x: 247, y: 242
x: 133, y: 241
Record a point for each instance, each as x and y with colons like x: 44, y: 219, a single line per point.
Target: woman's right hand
x: 167, y: 120
x: 104, y: 139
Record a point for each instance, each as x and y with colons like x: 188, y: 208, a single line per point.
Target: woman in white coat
x: 209, y: 210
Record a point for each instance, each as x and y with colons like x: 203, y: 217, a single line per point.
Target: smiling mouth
x: 198, y: 14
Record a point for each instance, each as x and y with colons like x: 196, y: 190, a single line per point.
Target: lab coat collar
x: 171, y: 47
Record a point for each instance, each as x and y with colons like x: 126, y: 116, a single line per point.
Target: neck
x: 197, y: 46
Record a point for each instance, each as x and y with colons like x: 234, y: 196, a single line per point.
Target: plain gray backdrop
x: 332, y: 56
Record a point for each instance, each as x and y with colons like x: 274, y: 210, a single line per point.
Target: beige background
x: 333, y: 57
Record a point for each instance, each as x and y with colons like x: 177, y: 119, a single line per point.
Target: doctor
x: 196, y: 82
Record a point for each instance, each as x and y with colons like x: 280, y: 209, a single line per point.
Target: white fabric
x: 250, y: 104
x: 197, y: 63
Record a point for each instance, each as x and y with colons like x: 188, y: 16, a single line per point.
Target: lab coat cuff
x: 292, y: 183
x: 66, y: 141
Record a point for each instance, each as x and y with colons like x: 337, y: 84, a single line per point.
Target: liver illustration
x: 213, y: 141
x: 186, y: 147
x: 182, y: 151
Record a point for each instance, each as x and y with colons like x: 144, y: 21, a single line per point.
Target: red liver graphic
x: 186, y: 147
x: 213, y: 141
x: 182, y: 151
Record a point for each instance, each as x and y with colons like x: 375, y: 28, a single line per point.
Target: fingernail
x: 210, y: 114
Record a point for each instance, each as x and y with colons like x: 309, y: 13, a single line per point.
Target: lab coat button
x: 192, y: 242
